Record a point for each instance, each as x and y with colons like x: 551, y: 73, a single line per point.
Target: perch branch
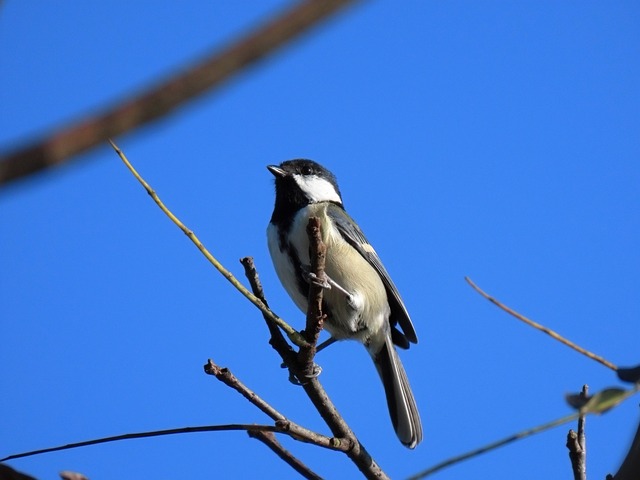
x: 344, y: 440
x: 321, y: 401
x: 315, y: 317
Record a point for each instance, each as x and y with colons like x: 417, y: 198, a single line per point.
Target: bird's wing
x: 354, y: 236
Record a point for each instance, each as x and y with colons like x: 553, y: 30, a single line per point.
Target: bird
x: 360, y: 300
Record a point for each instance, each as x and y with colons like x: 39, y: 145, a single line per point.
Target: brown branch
x: 491, y: 446
x: 283, y: 425
x: 577, y: 444
x: 277, y: 340
x: 157, y: 433
x: 321, y: 401
x: 270, y: 440
x: 315, y: 317
x: 344, y: 439
x: 166, y: 97
x: 293, y: 334
x: 542, y: 328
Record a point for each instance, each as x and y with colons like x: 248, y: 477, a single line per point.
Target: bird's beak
x: 276, y: 171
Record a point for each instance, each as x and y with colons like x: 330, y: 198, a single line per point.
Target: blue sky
x: 498, y: 140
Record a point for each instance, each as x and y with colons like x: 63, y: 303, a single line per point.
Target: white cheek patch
x: 317, y: 189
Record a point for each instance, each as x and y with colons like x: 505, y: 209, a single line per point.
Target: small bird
x: 360, y: 301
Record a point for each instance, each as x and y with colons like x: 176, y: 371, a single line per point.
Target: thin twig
x: 576, y: 443
x: 493, y: 446
x: 294, y: 336
x: 283, y: 425
x: 270, y: 440
x: 157, y: 433
x: 161, y: 100
x: 582, y: 437
x: 542, y: 328
x: 277, y: 340
x: 603, y: 401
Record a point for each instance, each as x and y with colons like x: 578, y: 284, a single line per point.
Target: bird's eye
x: 307, y: 170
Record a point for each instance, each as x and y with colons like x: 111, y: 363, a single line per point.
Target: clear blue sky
x: 498, y: 140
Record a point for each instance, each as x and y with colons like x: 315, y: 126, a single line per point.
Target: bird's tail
x: 402, y: 406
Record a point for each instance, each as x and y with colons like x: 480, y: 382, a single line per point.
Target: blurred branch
x: 542, y: 328
x: 577, y: 444
x: 629, y: 374
x: 291, y: 332
x: 161, y: 100
x: 8, y: 473
x: 69, y: 475
x: 270, y: 440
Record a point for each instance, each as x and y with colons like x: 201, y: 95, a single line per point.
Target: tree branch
x: 161, y: 100
x: 277, y: 340
x: 270, y: 440
x: 283, y: 425
x: 542, y: 328
x: 315, y: 317
x: 316, y: 393
x: 577, y: 444
x: 345, y: 439
x: 291, y: 332
x: 157, y: 433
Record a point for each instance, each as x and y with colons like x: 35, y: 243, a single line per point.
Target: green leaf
x: 605, y: 400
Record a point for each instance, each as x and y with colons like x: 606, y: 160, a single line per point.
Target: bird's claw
x: 320, y: 281
x: 315, y: 371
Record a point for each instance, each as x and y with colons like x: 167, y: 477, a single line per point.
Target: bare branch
x: 277, y: 340
x: 344, y: 440
x: 283, y: 425
x: 157, y: 433
x: 314, y: 390
x: 577, y: 444
x: 542, y: 328
x: 291, y: 332
x: 493, y: 446
x: 270, y: 440
x: 315, y: 317
x: 165, y: 98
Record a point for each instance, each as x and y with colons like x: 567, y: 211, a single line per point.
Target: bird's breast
x: 366, y: 311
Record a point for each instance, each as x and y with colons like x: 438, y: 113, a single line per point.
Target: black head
x: 300, y: 183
